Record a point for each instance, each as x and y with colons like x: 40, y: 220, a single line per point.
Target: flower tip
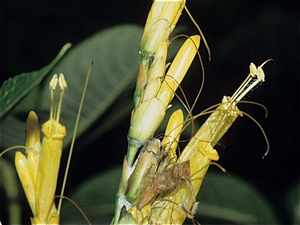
x: 32, y: 131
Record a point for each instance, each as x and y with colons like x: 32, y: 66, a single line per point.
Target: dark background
x: 238, y: 32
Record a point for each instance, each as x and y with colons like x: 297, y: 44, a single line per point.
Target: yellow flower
x: 39, y: 170
x: 174, y: 205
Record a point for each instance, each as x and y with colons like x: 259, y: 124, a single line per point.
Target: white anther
x: 62, y: 82
x: 53, y: 82
x: 255, y: 76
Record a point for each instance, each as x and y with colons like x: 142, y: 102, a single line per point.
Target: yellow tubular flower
x: 49, y: 159
x: 160, y: 23
x: 171, y: 207
x: 200, y: 152
x: 38, y: 171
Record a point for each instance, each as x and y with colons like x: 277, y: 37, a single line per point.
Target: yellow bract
x: 160, y: 23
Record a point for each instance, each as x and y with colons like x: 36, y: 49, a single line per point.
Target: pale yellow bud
x: 26, y: 179
x: 32, y: 140
x: 172, y: 134
x: 178, y: 69
x: 156, y: 72
x: 144, y: 123
x: 160, y: 23
x: 146, y: 119
x: 156, y: 34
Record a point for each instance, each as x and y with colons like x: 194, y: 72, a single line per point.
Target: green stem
x: 132, y: 150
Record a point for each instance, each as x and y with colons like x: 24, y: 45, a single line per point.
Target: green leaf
x: 231, y: 200
x: 96, y: 197
x: 14, y: 89
x: 115, y: 55
x: 9, y: 182
x: 293, y: 203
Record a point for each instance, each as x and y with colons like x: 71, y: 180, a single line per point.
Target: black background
x: 238, y: 32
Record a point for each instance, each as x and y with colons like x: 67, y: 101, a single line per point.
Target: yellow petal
x: 26, y: 179
x: 183, y: 59
x: 33, y: 162
x: 178, y: 68
x: 32, y: 141
x: 172, y: 134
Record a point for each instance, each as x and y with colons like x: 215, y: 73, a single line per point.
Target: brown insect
x: 164, y: 181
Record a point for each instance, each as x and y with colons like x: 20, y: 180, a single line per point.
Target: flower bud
x: 26, y: 179
x: 160, y: 23
x: 172, y: 134
x: 145, y: 120
x: 32, y: 140
x: 156, y: 72
x: 178, y: 69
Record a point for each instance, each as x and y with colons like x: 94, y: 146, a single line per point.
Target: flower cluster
x: 159, y: 186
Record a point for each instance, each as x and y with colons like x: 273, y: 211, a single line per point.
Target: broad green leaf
x: 14, y: 89
x: 115, y: 55
x: 96, y: 197
x: 231, y: 200
x: 293, y: 203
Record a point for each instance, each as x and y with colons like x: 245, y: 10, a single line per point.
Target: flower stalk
x: 160, y: 186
